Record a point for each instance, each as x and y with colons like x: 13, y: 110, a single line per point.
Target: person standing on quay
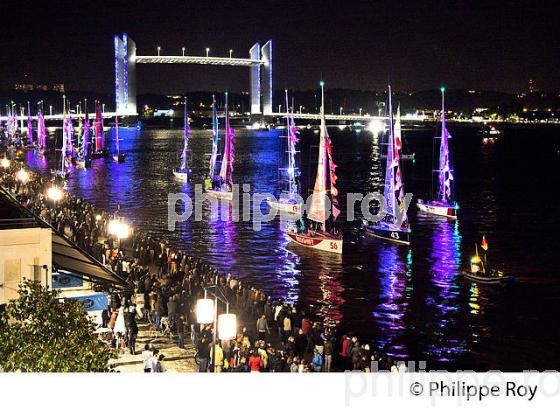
x: 203, y: 355
x: 262, y: 327
x: 180, y: 326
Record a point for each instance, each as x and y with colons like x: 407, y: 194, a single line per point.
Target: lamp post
x: 50, y: 109
x: 230, y: 53
x: 183, y: 51
x: 158, y: 50
x: 207, y: 312
x: 207, y: 51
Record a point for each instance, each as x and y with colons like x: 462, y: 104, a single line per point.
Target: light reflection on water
x: 410, y: 301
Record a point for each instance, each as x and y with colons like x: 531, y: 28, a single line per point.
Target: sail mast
x: 29, y: 124
x: 317, y: 210
x: 63, y: 147
x: 215, y: 137
x: 117, y: 132
x: 186, y: 139
x: 445, y: 175
x: 389, y: 191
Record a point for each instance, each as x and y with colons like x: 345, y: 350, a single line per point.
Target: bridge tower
x: 259, y: 63
x: 125, y: 75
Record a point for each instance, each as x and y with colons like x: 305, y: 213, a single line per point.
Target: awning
x: 68, y: 257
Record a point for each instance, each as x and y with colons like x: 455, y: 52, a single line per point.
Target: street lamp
x: 183, y: 51
x: 54, y: 194
x: 340, y: 110
x: 207, y: 51
x: 50, y: 109
x: 158, y: 50
x: 230, y: 52
x: 22, y: 175
x: 207, y: 312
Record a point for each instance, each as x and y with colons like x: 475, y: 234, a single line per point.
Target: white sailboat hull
x: 437, y: 208
x: 181, y: 175
x: 285, y: 207
x: 318, y: 242
x: 227, y: 195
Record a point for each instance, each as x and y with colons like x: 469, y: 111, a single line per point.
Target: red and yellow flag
x: 484, y: 244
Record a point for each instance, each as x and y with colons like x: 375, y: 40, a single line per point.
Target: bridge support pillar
x: 125, y: 75
x: 255, y: 80
x: 266, y: 55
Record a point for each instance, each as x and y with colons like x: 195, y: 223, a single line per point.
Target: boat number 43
x: 395, y: 235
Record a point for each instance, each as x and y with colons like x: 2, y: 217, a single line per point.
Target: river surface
x: 409, y: 301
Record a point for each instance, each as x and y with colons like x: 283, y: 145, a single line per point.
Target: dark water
x: 410, y: 301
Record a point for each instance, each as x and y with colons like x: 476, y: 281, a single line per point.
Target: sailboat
x: 117, y: 156
x: 182, y: 174
x: 315, y: 233
x: 41, y: 134
x: 62, y: 172
x: 222, y: 185
x: 97, y: 148
x: 389, y: 228
x: 29, y: 127
x: 289, y: 200
x: 443, y: 205
x: 80, y: 159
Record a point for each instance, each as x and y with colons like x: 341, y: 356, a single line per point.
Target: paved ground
x: 176, y: 359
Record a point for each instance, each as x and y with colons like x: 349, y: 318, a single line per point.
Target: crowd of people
x: 164, y: 284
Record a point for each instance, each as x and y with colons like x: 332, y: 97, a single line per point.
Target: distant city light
x: 376, y: 126
x: 5, y: 162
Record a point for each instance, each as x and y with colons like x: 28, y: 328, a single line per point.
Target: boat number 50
x: 395, y: 235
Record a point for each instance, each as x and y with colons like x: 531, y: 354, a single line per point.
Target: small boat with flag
x: 443, y: 204
x: 394, y: 226
x: 319, y: 229
x: 184, y: 172
x: 220, y: 186
x: 482, y: 272
x: 289, y: 201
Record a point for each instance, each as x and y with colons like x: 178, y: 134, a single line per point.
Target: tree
x: 41, y: 333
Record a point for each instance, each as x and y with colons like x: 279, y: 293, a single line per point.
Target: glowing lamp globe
x: 442, y: 89
x: 54, y: 193
x: 22, y: 175
x: 204, y: 311
x: 5, y: 163
x: 227, y: 326
x: 321, y: 83
x: 113, y: 226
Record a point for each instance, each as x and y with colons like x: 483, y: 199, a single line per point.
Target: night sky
x: 351, y: 44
